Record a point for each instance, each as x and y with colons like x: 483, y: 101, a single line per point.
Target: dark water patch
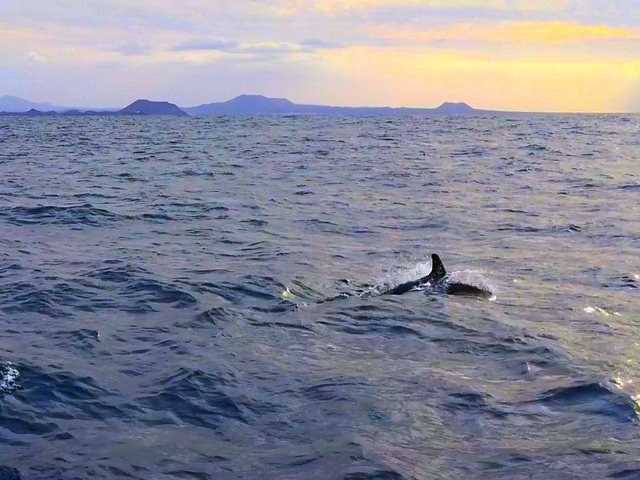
x: 193, y: 397
x: 158, y: 292
x: 629, y: 473
x: 212, y: 320
x: 373, y: 473
x: 23, y: 297
x: 10, y: 473
x: 62, y: 396
x: 117, y: 274
x: 495, y: 346
x: 253, y: 289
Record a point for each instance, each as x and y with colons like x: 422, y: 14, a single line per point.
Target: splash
x: 8, y: 378
x: 287, y: 294
x: 399, y: 275
x: 473, y: 278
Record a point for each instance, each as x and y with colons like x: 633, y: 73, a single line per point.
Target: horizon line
x: 445, y: 102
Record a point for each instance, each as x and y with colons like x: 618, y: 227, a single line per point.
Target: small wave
x: 591, y: 398
x: 534, y: 147
x: 210, y: 319
x: 158, y: 292
x: 156, y: 216
x: 525, y: 228
x: 85, y: 214
x: 630, y: 186
x: 8, y: 378
x: 119, y: 274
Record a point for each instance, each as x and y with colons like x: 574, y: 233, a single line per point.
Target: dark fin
x: 437, y: 268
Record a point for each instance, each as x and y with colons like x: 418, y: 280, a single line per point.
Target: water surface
x: 160, y: 280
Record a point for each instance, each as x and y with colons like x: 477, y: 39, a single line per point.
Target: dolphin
x: 439, y: 281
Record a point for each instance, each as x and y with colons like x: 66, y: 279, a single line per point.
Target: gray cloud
x: 133, y: 49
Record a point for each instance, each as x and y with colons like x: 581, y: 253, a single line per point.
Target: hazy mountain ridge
x: 240, y: 105
x: 11, y: 104
x: 139, y: 107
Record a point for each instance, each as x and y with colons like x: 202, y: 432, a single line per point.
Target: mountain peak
x: 148, y: 107
x: 454, y: 107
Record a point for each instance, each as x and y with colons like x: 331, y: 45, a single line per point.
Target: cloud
x: 254, y: 50
x: 206, y: 44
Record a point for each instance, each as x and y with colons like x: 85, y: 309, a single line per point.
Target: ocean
x: 162, y: 284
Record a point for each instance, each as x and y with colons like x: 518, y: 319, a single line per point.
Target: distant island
x: 261, y: 105
x: 240, y: 105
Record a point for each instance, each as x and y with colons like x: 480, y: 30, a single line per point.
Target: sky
x: 542, y: 55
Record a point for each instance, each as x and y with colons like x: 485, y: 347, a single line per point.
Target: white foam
x: 600, y: 311
x: 8, y: 377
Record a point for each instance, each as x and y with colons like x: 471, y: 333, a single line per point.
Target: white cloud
x: 35, y: 56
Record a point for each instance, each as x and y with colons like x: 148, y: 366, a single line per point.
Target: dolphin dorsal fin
x: 437, y: 268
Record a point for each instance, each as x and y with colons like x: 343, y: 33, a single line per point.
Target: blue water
x: 161, y: 287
